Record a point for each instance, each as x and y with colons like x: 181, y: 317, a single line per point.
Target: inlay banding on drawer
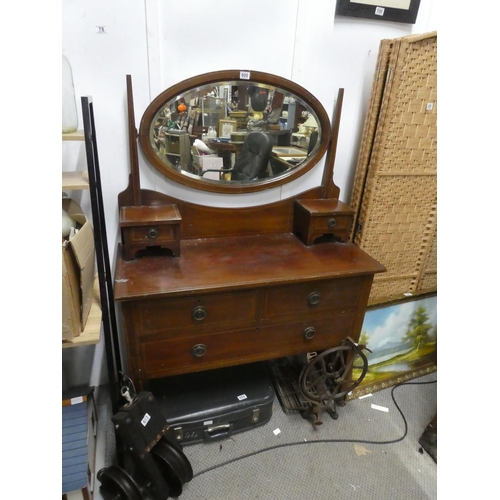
x: 206, y: 351
x: 199, y: 313
x: 312, y: 299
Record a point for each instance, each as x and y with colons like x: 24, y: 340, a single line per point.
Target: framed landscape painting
x: 403, y: 339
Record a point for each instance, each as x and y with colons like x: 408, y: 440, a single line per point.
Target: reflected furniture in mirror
x: 244, y: 284
x: 252, y: 162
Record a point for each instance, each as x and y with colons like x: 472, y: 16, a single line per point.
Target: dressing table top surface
x: 236, y: 262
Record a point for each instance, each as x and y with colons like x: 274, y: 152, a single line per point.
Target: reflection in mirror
x: 236, y: 131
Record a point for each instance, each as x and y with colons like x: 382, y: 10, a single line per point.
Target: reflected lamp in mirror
x: 310, y: 125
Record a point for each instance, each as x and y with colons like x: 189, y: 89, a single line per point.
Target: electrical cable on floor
x: 316, y: 441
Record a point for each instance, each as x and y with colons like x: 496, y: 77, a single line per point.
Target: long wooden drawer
x: 200, y: 352
x: 203, y: 313
x: 313, y: 298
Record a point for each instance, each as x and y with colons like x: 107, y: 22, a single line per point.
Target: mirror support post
x: 330, y: 189
x: 132, y: 137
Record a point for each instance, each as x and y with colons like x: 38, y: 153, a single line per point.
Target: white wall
x: 160, y: 42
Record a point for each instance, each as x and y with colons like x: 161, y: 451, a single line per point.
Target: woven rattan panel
x: 395, y: 188
x: 428, y: 277
x: 370, y: 126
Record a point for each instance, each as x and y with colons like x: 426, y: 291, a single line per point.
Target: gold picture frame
x: 226, y: 127
x: 402, y: 338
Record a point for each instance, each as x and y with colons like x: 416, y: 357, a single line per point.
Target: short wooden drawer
x: 149, y: 235
x: 315, y: 218
x: 313, y: 299
x: 143, y: 227
x: 331, y: 223
x: 177, y: 317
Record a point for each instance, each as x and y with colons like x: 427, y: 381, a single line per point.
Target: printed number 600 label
x: 245, y: 75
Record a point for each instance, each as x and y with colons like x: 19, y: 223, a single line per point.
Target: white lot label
x: 380, y: 408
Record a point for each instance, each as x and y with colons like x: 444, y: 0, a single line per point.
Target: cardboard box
x: 205, y: 162
x: 198, y: 160
x: 78, y: 273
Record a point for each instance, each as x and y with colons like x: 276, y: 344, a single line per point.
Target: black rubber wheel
x: 117, y: 484
x: 173, y: 464
x: 183, y: 465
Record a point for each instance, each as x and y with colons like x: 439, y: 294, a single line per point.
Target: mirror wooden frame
x: 227, y: 76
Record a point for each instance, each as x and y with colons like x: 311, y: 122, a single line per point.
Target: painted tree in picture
x: 401, y: 338
x: 418, y: 328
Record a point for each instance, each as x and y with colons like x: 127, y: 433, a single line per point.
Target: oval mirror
x: 234, y: 131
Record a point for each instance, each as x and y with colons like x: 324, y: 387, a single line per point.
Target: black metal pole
x: 102, y: 255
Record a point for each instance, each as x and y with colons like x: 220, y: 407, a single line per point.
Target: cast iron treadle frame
x: 285, y: 375
x: 321, y: 384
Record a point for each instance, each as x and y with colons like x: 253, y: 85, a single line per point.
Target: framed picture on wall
x: 227, y: 127
x: 402, y: 336
x: 399, y: 11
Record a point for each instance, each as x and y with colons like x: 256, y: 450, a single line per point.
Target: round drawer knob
x: 313, y: 298
x: 152, y: 233
x: 199, y: 313
x: 199, y: 350
x: 309, y: 332
x: 331, y: 222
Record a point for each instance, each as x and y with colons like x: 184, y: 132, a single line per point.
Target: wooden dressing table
x: 244, y: 286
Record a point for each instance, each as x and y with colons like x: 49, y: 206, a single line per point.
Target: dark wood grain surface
x: 237, y: 262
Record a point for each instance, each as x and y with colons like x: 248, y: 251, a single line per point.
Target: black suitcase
x: 215, y: 404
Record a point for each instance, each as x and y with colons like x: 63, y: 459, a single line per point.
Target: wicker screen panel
x: 383, y: 291
x: 370, y: 125
x: 405, y: 141
x: 428, y: 282
x: 395, y: 189
x: 428, y: 277
x: 395, y: 223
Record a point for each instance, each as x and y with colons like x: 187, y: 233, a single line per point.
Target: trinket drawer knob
x: 331, y: 222
x: 199, y: 350
x: 153, y: 233
x: 313, y: 298
x: 309, y: 332
x: 199, y: 313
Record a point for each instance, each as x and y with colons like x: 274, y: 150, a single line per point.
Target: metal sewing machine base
x: 323, y: 382
x: 314, y: 413
x: 151, y: 467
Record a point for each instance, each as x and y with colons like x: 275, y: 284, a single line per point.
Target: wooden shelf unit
x: 75, y: 180
x: 92, y: 332
x: 74, y: 136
